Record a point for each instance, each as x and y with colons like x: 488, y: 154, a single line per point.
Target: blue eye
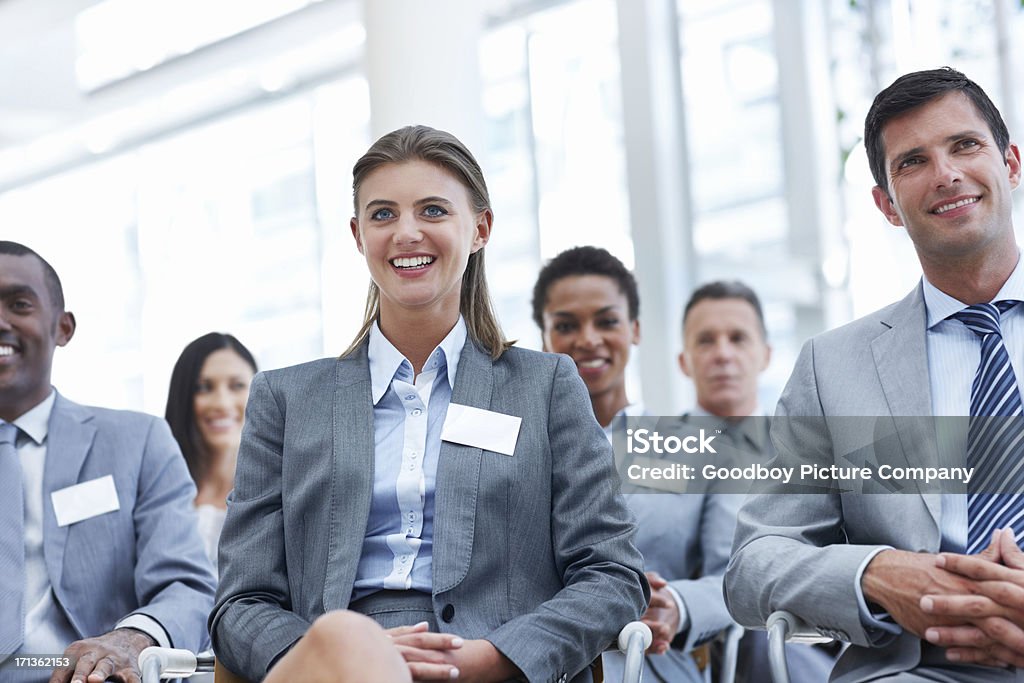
x: 382, y: 215
x: 434, y: 211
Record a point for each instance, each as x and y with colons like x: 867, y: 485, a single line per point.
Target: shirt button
x: 448, y: 613
x: 409, y: 397
x: 416, y: 412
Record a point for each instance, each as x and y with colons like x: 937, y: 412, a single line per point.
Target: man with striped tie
x: 897, y: 575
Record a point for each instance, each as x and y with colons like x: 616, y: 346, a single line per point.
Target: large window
x: 221, y: 228
x: 552, y: 101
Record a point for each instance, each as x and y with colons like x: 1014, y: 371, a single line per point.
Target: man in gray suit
x: 98, y: 545
x: 725, y: 350
x: 865, y: 569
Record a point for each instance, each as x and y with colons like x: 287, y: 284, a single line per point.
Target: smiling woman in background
x: 206, y: 408
x: 586, y: 303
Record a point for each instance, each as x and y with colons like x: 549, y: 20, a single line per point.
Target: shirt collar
x: 940, y: 305
x: 387, y: 362
x: 36, y: 422
x: 697, y: 411
x: 632, y: 410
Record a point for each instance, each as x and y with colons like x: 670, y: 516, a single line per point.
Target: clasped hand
x: 662, y: 615
x: 973, y: 605
x: 444, y: 657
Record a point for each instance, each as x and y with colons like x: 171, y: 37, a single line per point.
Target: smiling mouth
x: 411, y: 262
x: 6, y: 350
x: 592, y: 363
x: 955, y: 205
x: 222, y: 424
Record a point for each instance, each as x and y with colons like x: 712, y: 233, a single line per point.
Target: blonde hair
x: 446, y: 151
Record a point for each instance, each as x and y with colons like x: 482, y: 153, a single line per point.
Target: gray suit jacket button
x: 448, y: 613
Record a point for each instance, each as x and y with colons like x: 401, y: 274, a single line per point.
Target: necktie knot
x: 983, y: 319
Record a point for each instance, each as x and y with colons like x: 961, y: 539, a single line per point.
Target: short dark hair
x: 56, y: 290
x: 180, y: 412
x: 584, y: 261
x: 913, y: 90
x: 726, y: 289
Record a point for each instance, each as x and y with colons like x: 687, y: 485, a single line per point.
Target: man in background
x: 100, y: 556
x: 725, y: 350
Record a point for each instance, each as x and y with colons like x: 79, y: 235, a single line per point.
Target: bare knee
x: 331, y: 632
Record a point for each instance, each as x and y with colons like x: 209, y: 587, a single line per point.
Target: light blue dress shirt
x: 408, y: 414
x: 954, y: 353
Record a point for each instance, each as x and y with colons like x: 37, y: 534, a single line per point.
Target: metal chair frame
x: 786, y: 627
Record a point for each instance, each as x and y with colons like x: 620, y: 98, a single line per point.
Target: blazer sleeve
x: 252, y: 623
x: 174, y: 583
x: 592, y: 537
x: 705, y: 603
x: 791, y: 550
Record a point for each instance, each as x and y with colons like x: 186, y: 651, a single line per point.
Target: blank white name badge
x: 82, y: 501
x: 480, y: 428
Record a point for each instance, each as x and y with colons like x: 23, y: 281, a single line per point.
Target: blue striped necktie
x: 994, y: 446
x: 12, y: 544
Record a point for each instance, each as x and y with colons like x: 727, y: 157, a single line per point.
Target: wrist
x: 135, y: 637
x: 874, y: 581
x: 487, y: 663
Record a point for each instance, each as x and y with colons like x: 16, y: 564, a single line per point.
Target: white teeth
x: 6, y: 350
x: 412, y: 262
x: 949, y: 207
x: 595, y: 363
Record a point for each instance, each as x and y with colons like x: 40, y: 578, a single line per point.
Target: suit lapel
x: 901, y: 359
x: 69, y: 438
x: 458, y: 477
x: 351, y: 475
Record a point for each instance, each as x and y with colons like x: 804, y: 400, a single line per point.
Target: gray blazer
x: 802, y: 552
x: 533, y: 552
x: 145, y: 558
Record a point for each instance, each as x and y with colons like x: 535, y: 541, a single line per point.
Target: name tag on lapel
x: 82, y: 501
x: 480, y: 428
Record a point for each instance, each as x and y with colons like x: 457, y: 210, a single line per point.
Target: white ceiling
x: 47, y: 122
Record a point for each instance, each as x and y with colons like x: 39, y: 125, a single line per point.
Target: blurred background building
x: 186, y: 165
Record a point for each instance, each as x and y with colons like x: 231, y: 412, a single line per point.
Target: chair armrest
x: 158, y: 663
x: 786, y: 627
x: 634, y: 638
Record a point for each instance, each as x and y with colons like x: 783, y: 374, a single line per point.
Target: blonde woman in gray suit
x: 432, y: 474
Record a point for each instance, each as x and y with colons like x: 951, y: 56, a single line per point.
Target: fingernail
x: 940, y: 561
x: 953, y: 656
x: 422, y: 623
x: 456, y: 642
x: 927, y: 604
x: 454, y: 673
x: 931, y: 635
